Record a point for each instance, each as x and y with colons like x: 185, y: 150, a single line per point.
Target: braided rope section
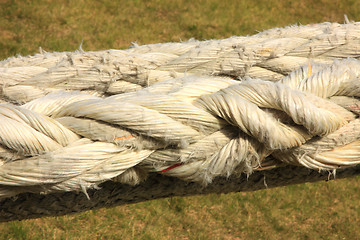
x: 32, y: 205
x: 195, y: 110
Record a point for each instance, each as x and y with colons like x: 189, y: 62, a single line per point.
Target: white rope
x: 193, y: 120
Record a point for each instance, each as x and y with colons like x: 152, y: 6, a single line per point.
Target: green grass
x: 63, y: 25
x: 326, y: 210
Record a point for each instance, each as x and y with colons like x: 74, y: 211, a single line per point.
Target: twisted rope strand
x: 70, y: 121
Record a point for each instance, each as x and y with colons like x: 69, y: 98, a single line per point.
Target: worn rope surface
x: 194, y: 110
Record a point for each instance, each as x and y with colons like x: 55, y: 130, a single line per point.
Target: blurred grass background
x: 325, y: 210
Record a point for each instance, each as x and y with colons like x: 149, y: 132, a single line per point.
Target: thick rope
x: 269, y: 55
x: 193, y: 120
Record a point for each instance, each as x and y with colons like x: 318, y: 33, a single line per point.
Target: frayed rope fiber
x: 197, y: 110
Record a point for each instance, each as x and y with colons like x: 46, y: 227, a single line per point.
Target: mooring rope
x: 194, y: 110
